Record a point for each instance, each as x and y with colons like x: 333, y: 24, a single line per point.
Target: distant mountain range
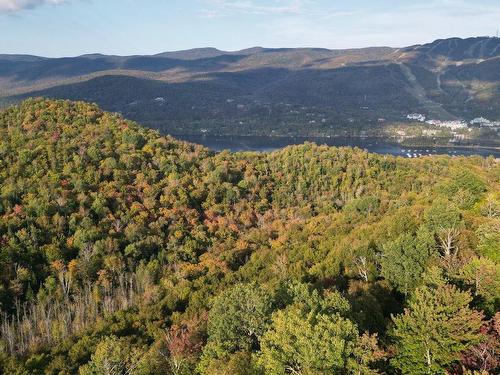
x: 261, y: 90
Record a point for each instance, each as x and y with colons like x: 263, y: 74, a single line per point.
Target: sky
x: 56, y: 28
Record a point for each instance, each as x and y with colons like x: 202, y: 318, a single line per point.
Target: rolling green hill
x: 126, y: 252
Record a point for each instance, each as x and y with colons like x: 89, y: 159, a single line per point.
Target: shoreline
x: 388, y: 140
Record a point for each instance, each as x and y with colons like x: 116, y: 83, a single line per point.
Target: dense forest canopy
x: 125, y: 252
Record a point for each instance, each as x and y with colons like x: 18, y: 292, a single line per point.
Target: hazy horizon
x: 234, y: 51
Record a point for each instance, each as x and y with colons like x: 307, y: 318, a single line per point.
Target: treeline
x: 124, y: 252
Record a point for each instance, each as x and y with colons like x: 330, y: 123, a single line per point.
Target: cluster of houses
x: 481, y: 121
x: 453, y: 125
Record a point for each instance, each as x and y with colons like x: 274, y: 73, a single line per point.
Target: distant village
x: 257, y: 117
x: 456, y: 124
x: 460, y: 129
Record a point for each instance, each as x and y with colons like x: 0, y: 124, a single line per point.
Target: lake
x: 375, y: 145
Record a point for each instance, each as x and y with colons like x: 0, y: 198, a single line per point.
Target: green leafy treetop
x: 307, y: 343
x: 406, y: 258
x: 239, y: 317
x: 304, y: 339
x: 435, y: 329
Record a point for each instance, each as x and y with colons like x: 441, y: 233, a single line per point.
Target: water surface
x: 376, y: 145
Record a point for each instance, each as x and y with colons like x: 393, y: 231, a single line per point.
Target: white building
x: 416, y: 117
x: 481, y: 121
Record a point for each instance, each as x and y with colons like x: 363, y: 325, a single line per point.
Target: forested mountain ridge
x: 126, y: 251
x: 264, y: 91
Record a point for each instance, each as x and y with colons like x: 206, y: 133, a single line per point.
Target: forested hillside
x: 280, y: 91
x: 126, y: 252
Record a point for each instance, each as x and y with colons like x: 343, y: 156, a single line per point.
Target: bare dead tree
x: 362, y: 266
x: 280, y: 266
x: 51, y: 321
x: 87, y: 252
x: 447, y: 238
x: 117, y: 225
x: 491, y: 208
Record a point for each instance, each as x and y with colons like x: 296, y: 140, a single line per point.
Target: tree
x: 489, y: 240
x: 466, y: 188
x: 485, y: 356
x: 365, y: 353
x: 404, y: 259
x: 239, y: 363
x: 310, y: 299
x: 482, y: 275
x: 445, y: 221
x: 238, y: 318
x: 182, y: 344
x: 65, y: 274
x: 435, y: 329
x: 113, y: 356
x: 313, y: 336
x: 304, y: 342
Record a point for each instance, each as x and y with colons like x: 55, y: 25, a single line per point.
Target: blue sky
x: 74, y: 27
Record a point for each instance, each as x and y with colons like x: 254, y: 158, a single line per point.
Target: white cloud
x: 16, y: 5
x: 220, y: 8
